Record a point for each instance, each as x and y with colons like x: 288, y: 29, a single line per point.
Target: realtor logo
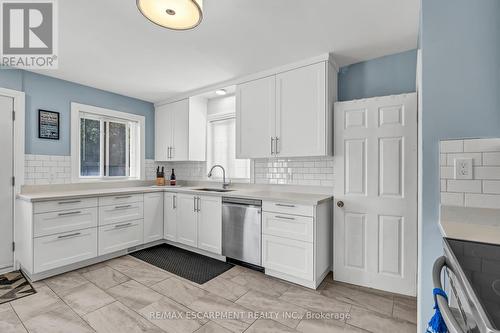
x: 29, y: 34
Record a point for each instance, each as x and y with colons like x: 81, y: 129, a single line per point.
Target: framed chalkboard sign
x: 48, y: 125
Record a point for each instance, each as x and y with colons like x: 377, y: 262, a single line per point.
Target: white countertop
x: 470, y: 224
x: 289, y: 197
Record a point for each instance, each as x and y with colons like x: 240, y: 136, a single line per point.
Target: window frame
x: 98, y: 113
x: 220, y: 117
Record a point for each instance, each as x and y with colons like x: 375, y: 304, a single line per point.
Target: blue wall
x: 389, y: 75
x: 43, y: 92
x: 460, y: 98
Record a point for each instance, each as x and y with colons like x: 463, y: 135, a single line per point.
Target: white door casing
x: 6, y: 174
x: 375, y: 231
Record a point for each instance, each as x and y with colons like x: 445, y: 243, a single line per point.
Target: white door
x: 153, y: 216
x: 375, y: 228
x: 170, y: 216
x: 256, y: 118
x: 210, y: 224
x: 163, y: 132
x: 301, y: 111
x: 6, y: 173
x: 187, y: 217
x: 180, y: 124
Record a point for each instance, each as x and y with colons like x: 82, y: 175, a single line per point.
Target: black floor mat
x: 192, y: 266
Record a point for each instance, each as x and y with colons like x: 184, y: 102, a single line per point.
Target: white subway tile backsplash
x: 452, y: 199
x: 482, y: 200
x: 452, y: 146
x: 483, y: 191
x: 467, y: 186
x: 491, y: 159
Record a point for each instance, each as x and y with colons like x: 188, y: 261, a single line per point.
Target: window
x: 106, y: 144
x: 221, y: 148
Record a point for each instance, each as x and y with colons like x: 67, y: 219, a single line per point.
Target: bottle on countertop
x: 172, y: 178
x: 160, y: 177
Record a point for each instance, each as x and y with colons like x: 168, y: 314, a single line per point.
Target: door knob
x: 340, y: 204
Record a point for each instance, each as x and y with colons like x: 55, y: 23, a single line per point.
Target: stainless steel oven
x: 471, y: 274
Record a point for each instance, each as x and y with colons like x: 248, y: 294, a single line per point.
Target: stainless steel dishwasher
x: 241, y: 231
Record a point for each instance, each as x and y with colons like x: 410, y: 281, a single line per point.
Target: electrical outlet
x: 463, y: 168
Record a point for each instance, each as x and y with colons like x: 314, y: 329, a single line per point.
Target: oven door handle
x: 449, y: 319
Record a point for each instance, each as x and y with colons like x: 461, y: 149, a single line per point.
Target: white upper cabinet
x: 255, y: 117
x: 180, y: 130
x: 288, y: 114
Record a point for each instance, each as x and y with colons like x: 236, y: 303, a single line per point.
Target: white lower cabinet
x: 121, y: 212
x: 187, y: 220
x: 288, y: 256
x: 153, y: 216
x: 120, y: 236
x: 210, y: 224
x: 170, y: 216
x: 63, y: 249
x: 64, y: 221
x: 195, y: 221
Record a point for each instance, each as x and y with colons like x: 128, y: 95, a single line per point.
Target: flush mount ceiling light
x: 172, y: 14
x: 221, y: 92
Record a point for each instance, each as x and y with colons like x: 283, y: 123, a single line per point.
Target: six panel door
x: 375, y: 227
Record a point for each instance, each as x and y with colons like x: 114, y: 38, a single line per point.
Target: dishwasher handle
x: 449, y: 319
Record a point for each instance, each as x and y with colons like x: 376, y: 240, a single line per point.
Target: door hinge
x: 13, y: 246
x: 13, y: 181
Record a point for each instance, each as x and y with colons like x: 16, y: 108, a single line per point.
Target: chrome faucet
x: 224, y: 184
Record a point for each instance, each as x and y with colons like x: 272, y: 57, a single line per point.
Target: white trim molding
x: 76, y: 108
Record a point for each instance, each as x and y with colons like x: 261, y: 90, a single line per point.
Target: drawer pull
x: 284, y: 217
x: 123, y: 197
x: 69, y: 202
x: 69, y: 235
x: 69, y: 213
x: 123, y: 207
x: 123, y: 225
x: 285, y: 205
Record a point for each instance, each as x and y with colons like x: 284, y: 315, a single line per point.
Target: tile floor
x: 127, y: 295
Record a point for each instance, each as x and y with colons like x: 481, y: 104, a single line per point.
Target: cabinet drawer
x: 288, y: 226
x: 288, y: 256
x: 64, y: 221
x: 57, y: 205
x: 121, y: 213
x: 287, y: 208
x: 120, y: 236
x: 64, y: 249
x: 119, y: 199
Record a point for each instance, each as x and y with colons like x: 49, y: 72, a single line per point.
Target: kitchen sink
x: 213, y: 190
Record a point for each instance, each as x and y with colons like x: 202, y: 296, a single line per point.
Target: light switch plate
x: 463, y: 168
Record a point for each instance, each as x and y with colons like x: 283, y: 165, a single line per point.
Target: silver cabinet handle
x: 69, y: 202
x: 123, y: 225
x: 69, y: 213
x: 284, y: 217
x: 69, y: 235
x: 194, y: 203
x: 284, y: 205
x: 123, y: 207
x: 198, y: 204
x: 174, y: 202
x: 123, y: 197
x: 276, y: 150
x: 272, y: 146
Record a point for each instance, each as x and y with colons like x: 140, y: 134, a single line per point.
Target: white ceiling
x: 109, y: 45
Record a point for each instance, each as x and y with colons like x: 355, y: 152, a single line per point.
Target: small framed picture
x: 48, y: 125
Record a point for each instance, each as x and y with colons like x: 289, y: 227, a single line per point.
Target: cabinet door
x: 170, y: 216
x: 288, y: 256
x: 255, y: 118
x: 187, y: 226
x: 210, y: 224
x: 180, y: 123
x: 153, y: 216
x: 163, y: 132
x: 301, y: 111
